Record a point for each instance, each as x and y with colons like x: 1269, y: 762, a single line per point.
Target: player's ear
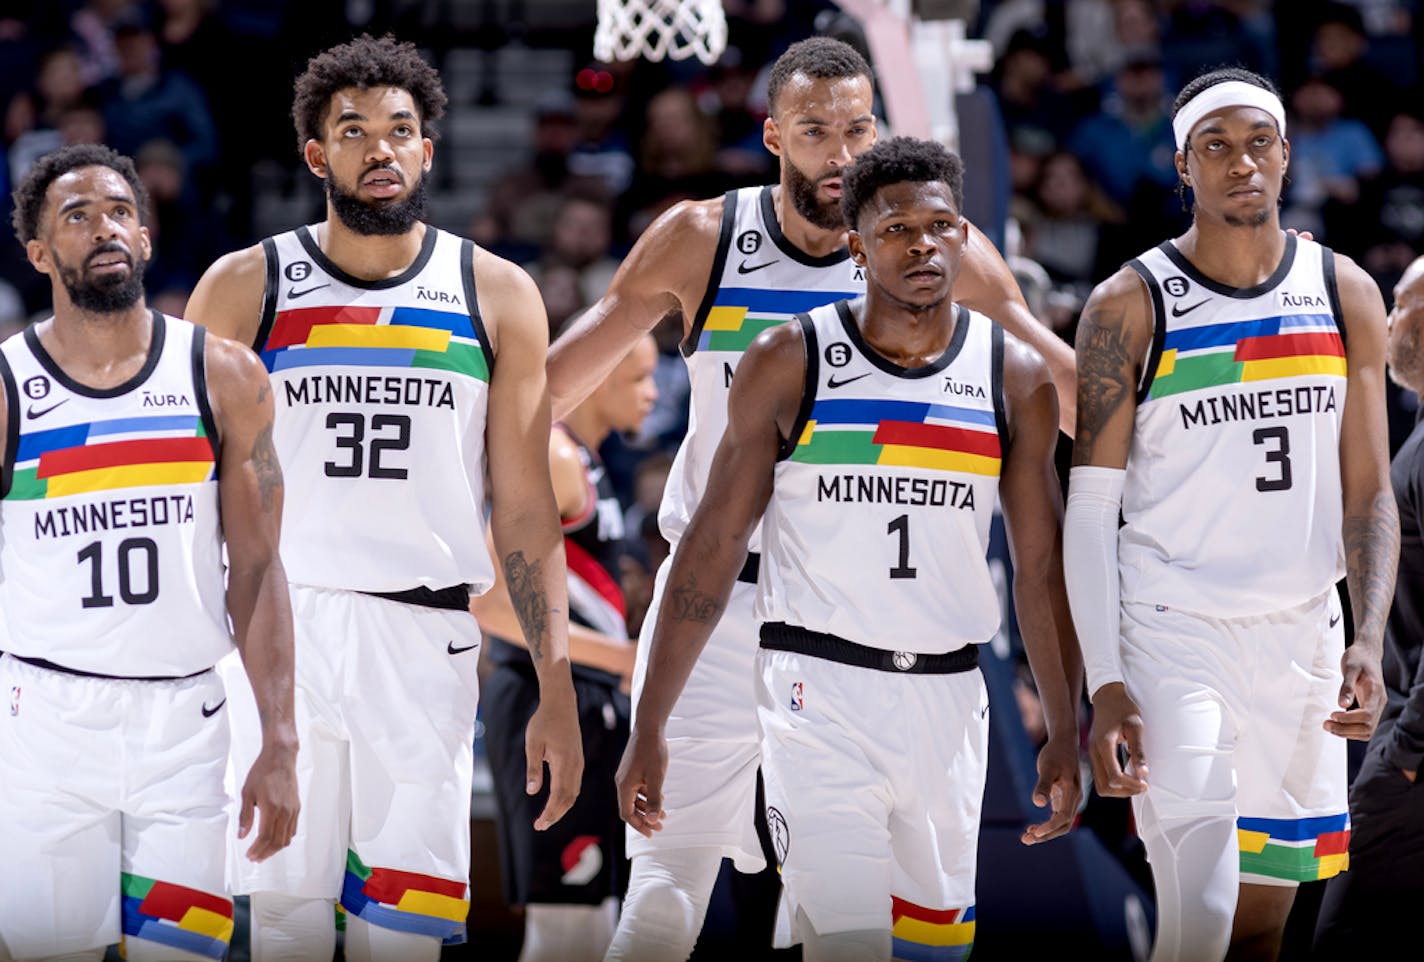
x: 857, y: 247
x: 315, y: 156
x: 771, y: 135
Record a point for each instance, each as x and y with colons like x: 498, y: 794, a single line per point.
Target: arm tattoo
x: 525, y: 581
x: 690, y: 604
x: 263, y: 392
x: 1104, y: 365
x: 1371, y: 556
x: 268, y: 470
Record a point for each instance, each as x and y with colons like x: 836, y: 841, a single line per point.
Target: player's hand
x: 1059, y: 787
x: 640, y: 780
x: 1363, y: 688
x: 271, y: 789
x: 1302, y: 234
x: 1117, y: 725
x: 553, y: 736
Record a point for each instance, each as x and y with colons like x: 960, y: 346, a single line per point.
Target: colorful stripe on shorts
x: 1295, y: 849
x: 399, y: 337
x: 940, y: 437
x: 406, y: 901
x: 741, y: 313
x: 105, y: 455
x: 931, y: 935
x: 179, y: 917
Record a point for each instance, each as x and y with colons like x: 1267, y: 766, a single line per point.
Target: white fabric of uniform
x: 1090, y: 568
x: 413, y: 514
x: 709, y: 792
x: 759, y: 279
x: 874, y: 787
x: 385, y: 715
x: 863, y: 548
x: 145, y: 595
x: 1233, y: 504
x: 102, y: 777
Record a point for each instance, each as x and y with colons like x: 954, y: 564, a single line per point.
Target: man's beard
x: 107, y: 293
x: 803, y: 198
x: 1257, y: 219
x: 389, y: 218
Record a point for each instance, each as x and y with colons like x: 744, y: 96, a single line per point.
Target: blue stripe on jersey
x: 339, y: 357
x: 170, y: 422
x: 1226, y: 335
x: 457, y: 324
x: 778, y: 302
x: 870, y: 411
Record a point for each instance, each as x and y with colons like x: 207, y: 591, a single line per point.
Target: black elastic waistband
x: 750, y: 570
x: 453, y: 598
x: 779, y: 636
x: 42, y: 663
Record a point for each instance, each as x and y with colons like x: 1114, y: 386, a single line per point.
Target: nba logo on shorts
x: 15, y: 701
x: 796, y: 691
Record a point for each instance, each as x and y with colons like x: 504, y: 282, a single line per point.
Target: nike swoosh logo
x: 1188, y: 310
x: 31, y: 413
x: 210, y: 712
x: 742, y: 268
x: 450, y: 647
x: 1335, y: 620
x: 293, y: 293
x: 832, y: 382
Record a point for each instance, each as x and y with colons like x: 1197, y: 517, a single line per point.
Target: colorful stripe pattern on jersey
x: 1233, y: 500
x: 381, y: 391
x: 930, y: 935
x: 128, y: 452
x: 759, y: 280
x: 175, y: 916
x: 1294, y: 849
x: 1243, y: 351
x: 406, y: 901
x: 391, y: 337
x: 887, y: 493
x: 940, y: 437
x: 110, y: 535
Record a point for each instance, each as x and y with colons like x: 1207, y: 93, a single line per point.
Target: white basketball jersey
x: 1233, y: 503
x: 759, y: 280
x: 381, y: 390
x: 878, y: 523
x: 110, y: 544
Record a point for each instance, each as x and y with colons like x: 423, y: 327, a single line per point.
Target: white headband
x: 1232, y: 93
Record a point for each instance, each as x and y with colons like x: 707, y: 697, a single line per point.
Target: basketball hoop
x: 654, y: 29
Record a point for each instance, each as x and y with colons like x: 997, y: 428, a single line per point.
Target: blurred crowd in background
x: 198, y: 92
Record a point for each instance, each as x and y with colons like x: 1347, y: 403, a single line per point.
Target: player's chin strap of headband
x: 1232, y: 93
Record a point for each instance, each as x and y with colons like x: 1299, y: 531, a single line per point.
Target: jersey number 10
x: 130, y: 562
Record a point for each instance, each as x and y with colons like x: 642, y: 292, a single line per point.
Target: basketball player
x: 407, y: 364
x: 565, y: 877
x: 878, y: 494
x: 733, y: 267
x: 132, y: 449
x: 1231, y: 408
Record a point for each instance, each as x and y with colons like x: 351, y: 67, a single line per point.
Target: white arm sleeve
x: 1090, y: 568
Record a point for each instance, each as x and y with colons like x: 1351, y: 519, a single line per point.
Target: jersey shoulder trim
x: 1332, y: 291
x: 52, y: 368
x: 270, y: 295
x: 996, y: 379
x: 810, y: 385
x: 199, y: 361
x: 1159, y: 329
x: 1216, y: 287
x: 472, y: 303
x: 688, y: 347
x: 12, y: 424
x: 313, y: 249
x: 773, y: 229
x: 951, y: 350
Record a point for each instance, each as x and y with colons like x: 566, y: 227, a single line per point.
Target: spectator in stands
x: 32, y: 117
x: 182, y: 229
x: 1329, y: 155
x: 601, y: 150
x: 1063, y: 220
x: 1338, y: 54
x: 580, y: 240
x: 676, y: 157
x: 146, y: 102
x: 1208, y: 32
x: 1023, y: 79
x: 1384, y: 229
x: 727, y: 100
x: 92, y: 26
x: 1128, y: 145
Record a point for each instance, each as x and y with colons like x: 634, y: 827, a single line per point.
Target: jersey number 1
x: 903, y: 569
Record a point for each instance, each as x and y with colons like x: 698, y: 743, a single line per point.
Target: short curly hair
x: 365, y: 63
x: 1220, y: 76
x: 820, y: 58
x: 28, y: 198
x: 897, y: 161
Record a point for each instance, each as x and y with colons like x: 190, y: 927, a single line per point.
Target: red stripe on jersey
x: 937, y: 436
x: 599, y: 578
x: 1289, y: 345
x: 121, y: 453
x: 294, y: 326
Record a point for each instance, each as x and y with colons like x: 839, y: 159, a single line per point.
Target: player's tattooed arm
x: 1371, y: 555
x: 266, y: 467
x: 690, y: 603
x: 526, y: 591
x: 1112, y: 335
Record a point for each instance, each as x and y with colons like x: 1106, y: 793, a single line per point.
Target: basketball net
x: 654, y: 29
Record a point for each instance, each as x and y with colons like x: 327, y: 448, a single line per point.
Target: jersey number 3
x: 1278, y: 454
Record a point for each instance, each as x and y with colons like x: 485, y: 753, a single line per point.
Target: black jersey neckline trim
x: 155, y: 351
x: 1174, y: 255
x: 427, y: 247
x: 951, y: 350
x: 783, y: 243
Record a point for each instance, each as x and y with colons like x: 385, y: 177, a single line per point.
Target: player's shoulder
x: 230, y: 363
x: 687, y: 220
x: 247, y: 265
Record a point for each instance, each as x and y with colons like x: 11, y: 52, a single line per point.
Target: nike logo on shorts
x: 1335, y: 620
x: 450, y: 647
x: 210, y: 712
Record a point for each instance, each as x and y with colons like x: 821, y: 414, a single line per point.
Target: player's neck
x: 367, y: 256
x: 1232, y: 254
x: 804, y: 235
x: 98, y: 350
x: 908, y: 336
x: 586, y: 426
